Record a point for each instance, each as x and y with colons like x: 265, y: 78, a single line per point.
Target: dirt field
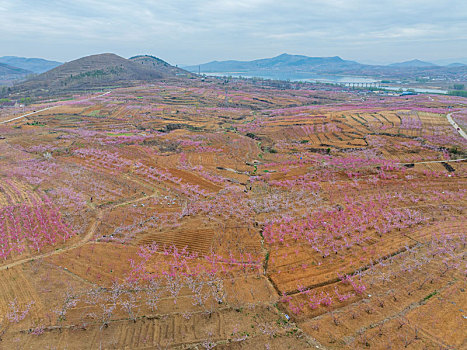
x: 234, y: 216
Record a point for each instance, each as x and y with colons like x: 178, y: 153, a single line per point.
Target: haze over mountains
x: 14, y: 68
x: 33, y: 65
x: 7, y: 71
x: 447, y: 62
x: 328, y: 65
x: 284, y: 61
x: 42, y: 77
x: 413, y: 64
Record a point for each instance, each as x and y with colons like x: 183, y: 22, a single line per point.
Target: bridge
x: 361, y: 85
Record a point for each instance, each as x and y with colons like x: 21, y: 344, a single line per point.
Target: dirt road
x: 45, y: 109
x: 457, y: 127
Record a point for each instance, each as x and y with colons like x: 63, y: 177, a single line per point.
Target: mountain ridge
x: 286, y: 63
x: 35, y: 65
x: 9, y: 74
x: 8, y: 69
x: 98, y: 71
x: 413, y: 63
x: 278, y: 62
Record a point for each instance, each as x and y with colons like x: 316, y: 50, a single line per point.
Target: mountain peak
x: 413, y: 63
x: 100, y: 70
x: 282, y: 62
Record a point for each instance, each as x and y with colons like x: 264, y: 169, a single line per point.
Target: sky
x: 197, y: 31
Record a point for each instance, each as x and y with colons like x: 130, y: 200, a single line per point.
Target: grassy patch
x: 430, y: 295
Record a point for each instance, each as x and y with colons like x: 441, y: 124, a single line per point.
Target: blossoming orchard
x: 234, y: 214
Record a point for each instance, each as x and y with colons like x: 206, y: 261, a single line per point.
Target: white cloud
x: 193, y: 31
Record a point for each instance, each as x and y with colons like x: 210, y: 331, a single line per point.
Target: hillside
x: 35, y: 65
x: 281, y: 62
x: 286, y: 64
x: 456, y: 64
x: 154, y: 63
x: 6, y: 69
x: 10, y: 73
x: 413, y: 64
x: 97, y: 71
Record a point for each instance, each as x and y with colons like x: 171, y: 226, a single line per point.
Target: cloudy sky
x: 198, y: 31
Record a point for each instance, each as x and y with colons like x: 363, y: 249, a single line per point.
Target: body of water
x: 318, y: 78
x: 305, y: 77
x: 425, y: 91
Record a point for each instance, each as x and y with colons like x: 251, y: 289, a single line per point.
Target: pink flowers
x: 301, y: 181
x: 411, y: 123
x: 103, y: 159
x: 15, y: 314
x: 342, y: 297
x: 326, y: 229
x: 32, y: 227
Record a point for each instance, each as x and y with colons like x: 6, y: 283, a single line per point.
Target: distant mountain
x: 10, y: 74
x: 281, y: 62
x: 446, y: 62
x: 456, y: 64
x: 98, y: 71
x: 36, y: 65
x: 6, y: 69
x: 412, y: 64
x: 301, y: 67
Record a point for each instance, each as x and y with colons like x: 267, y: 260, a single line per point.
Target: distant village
x: 11, y: 104
x: 7, y: 103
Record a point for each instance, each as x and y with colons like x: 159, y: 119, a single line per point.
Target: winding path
x: 457, y: 127
x: 97, y: 220
x: 91, y: 231
x: 45, y: 109
x: 26, y: 115
x: 85, y: 239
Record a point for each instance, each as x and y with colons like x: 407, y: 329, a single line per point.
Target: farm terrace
x: 233, y: 212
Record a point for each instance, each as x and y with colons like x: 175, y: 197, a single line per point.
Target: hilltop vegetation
x: 97, y: 72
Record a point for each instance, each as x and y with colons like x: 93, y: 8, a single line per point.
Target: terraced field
x: 233, y: 215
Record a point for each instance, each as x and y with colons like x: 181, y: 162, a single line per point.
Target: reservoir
x: 318, y: 78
